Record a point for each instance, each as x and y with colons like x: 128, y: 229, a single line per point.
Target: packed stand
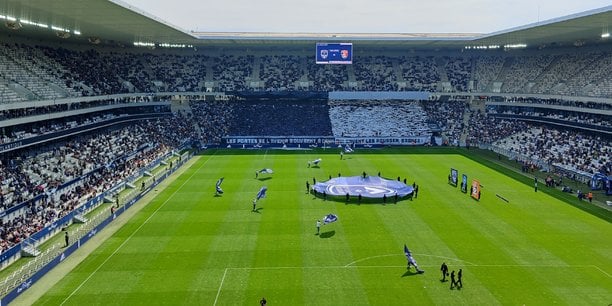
x: 280, y: 73
x: 105, y: 157
x: 378, y: 118
x: 280, y: 118
x: 524, y: 70
x: 419, y: 73
x: 458, y: 71
x: 231, y: 72
x: 486, y: 71
x: 484, y: 130
x: 448, y: 116
x: 560, y: 102
x: 569, y: 116
x: 375, y: 73
x: 177, y: 73
x: 327, y: 77
x: 562, y: 68
x: 571, y: 150
x: 213, y: 119
x: 30, y: 68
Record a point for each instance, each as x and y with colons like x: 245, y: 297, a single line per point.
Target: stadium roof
x: 115, y: 22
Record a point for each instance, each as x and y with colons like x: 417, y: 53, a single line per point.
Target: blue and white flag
x: 407, y: 252
x: 316, y: 161
x: 261, y: 193
x: 330, y: 218
x: 218, y: 186
x: 266, y: 170
x: 348, y: 149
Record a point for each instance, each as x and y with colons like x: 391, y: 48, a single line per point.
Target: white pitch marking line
x: 402, y: 266
x: 220, y: 285
x: 134, y: 233
x: 428, y: 255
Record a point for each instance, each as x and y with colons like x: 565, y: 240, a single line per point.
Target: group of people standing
x: 455, y: 282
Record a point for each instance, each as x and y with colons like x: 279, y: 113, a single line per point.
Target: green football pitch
x: 189, y: 247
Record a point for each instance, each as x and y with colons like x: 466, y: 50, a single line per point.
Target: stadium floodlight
x: 143, y: 44
x: 76, y: 32
x: 9, y: 18
x: 40, y: 25
x: 515, y: 46
x: 605, y: 35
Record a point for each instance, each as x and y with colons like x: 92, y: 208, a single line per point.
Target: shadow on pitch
x: 410, y: 273
x: 327, y: 234
x: 264, y: 178
x: 257, y: 210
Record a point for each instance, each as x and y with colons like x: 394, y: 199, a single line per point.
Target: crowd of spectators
x: 104, y: 158
x: 561, y: 102
x: 279, y: 118
x: 378, y: 118
x: 523, y: 71
x: 484, y: 130
x: 458, y: 71
x: 280, y: 73
x: 419, y: 73
x: 448, y: 116
x: 571, y: 150
x: 50, y: 72
x: 375, y: 73
x: 213, y: 119
x: 563, y: 115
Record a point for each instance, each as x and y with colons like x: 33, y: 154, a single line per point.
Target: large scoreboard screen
x: 334, y: 53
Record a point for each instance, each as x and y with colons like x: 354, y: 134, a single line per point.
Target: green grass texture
x: 190, y: 247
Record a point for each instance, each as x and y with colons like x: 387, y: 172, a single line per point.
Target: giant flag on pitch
x: 218, y: 186
x: 261, y: 193
x: 330, y: 218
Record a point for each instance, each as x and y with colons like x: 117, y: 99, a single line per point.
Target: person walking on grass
x: 444, y: 269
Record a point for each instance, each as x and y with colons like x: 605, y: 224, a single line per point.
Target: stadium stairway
x: 256, y: 65
x: 398, y: 70
x: 466, y: 121
x: 440, y: 63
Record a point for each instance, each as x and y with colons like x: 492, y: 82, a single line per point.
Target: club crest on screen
x: 344, y: 54
x: 324, y: 54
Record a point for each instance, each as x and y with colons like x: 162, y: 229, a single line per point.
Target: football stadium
x: 144, y: 164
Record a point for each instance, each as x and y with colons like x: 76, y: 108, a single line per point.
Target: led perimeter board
x: 334, y: 53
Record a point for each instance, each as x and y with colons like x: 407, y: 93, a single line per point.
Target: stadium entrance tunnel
x: 373, y: 189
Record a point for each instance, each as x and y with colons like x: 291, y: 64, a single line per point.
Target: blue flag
x: 261, y: 193
x: 407, y: 251
x: 218, y: 186
x: 348, y: 149
x: 330, y: 218
x: 266, y: 170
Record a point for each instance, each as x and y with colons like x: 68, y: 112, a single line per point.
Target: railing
x: 21, y: 279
